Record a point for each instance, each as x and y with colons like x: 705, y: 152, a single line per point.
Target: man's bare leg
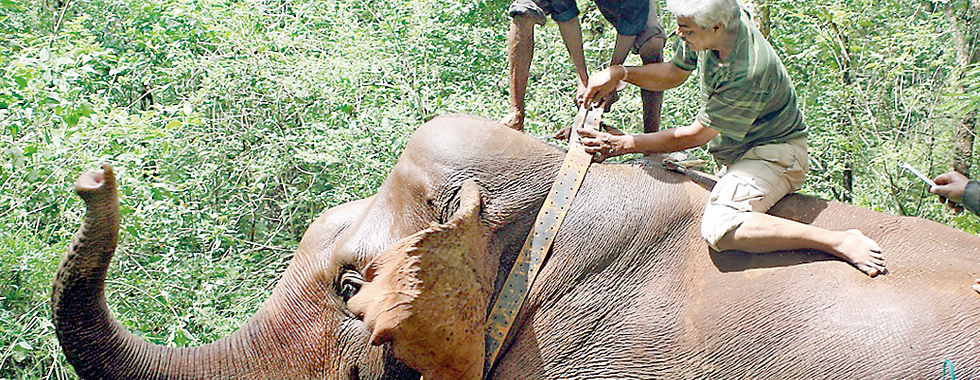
x: 762, y: 233
x: 520, y: 49
x: 651, y: 52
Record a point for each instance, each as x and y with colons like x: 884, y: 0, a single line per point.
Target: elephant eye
x: 350, y: 283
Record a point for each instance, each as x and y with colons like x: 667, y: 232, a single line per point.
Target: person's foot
x: 514, y: 120
x: 977, y: 286
x: 862, y: 252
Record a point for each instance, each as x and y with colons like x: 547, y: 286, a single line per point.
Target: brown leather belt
x: 538, y: 243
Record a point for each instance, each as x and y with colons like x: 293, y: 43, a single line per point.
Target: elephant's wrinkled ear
x: 428, y: 295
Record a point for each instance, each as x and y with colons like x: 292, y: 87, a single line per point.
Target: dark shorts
x: 623, y: 16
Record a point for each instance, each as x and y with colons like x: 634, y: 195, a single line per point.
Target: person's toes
x: 868, y: 270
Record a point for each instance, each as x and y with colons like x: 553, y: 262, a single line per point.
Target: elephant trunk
x: 95, y: 343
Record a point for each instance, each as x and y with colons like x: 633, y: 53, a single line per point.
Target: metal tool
x: 906, y: 166
x: 687, y: 168
x: 586, y: 118
x: 682, y: 166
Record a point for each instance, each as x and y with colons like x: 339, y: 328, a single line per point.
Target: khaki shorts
x: 753, y: 183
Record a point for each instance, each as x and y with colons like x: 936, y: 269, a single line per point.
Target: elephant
x: 398, y: 285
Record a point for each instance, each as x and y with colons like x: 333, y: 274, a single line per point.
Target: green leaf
x: 20, y: 351
x: 117, y: 70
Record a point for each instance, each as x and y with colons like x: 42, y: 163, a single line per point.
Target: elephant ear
x: 428, y: 295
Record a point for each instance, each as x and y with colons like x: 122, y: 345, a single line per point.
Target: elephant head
x: 433, y: 196
x: 304, y: 323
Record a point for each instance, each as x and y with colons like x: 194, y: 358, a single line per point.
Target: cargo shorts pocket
x: 736, y: 193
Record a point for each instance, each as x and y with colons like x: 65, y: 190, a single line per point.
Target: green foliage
x: 29, y: 346
x: 232, y: 124
x: 877, y: 83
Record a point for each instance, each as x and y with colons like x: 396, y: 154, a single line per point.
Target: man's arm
x: 659, y: 76
x: 665, y: 141
x: 621, y: 49
x: 654, y: 77
x: 571, y: 34
x: 675, y: 139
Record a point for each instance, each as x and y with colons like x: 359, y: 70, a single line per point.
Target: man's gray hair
x: 706, y: 13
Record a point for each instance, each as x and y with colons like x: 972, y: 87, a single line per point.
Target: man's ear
x: 429, y: 293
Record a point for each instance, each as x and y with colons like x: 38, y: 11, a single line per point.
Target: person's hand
x: 608, y: 101
x: 949, y: 187
x: 602, y: 84
x: 580, y: 93
x: 564, y: 132
x: 611, y: 129
x: 603, y: 145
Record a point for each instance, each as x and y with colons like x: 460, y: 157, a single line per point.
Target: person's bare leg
x: 651, y: 52
x: 762, y: 233
x: 520, y: 49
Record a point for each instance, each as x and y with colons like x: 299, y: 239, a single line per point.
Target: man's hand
x: 608, y: 101
x: 564, y: 132
x: 604, y: 145
x: 950, y: 187
x: 580, y: 93
x: 602, y: 84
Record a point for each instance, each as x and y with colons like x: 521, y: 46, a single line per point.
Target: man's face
x: 696, y: 37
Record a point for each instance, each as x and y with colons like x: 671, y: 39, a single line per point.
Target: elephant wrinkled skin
x: 630, y: 290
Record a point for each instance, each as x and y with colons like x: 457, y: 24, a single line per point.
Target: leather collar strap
x: 535, y: 250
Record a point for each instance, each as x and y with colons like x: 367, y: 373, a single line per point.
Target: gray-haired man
x: 752, y: 126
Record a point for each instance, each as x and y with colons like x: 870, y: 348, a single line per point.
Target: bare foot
x: 862, y: 252
x: 977, y: 286
x: 514, y: 120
